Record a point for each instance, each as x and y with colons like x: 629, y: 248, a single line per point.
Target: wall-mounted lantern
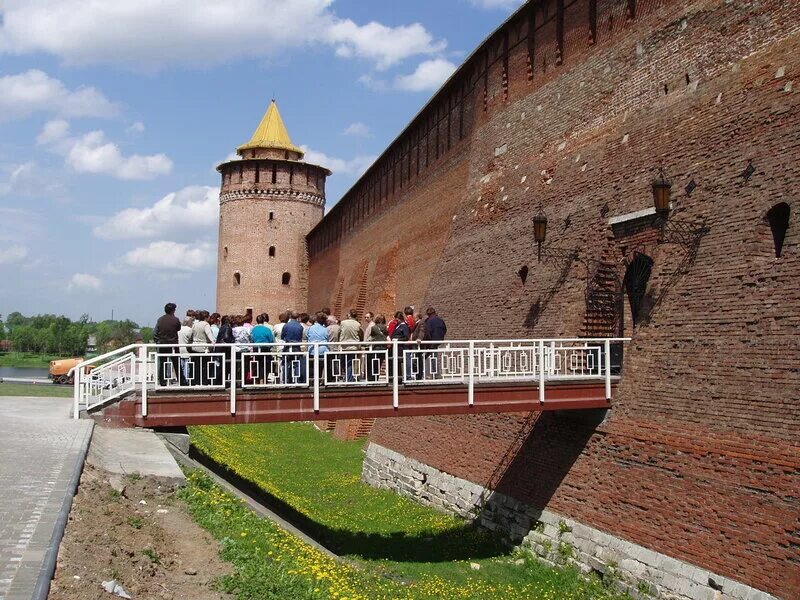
x: 540, y: 235
x: 661, y: 193
x: 539, y: 231
x: 674, y: 231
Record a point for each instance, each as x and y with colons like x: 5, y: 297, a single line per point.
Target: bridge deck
x: 167, y: 409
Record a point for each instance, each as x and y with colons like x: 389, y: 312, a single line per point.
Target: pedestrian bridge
x: 157, y: 385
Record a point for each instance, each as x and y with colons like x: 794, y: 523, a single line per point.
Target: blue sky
x: 113, y: 116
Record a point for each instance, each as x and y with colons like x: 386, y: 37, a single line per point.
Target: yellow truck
x: 59, y: 369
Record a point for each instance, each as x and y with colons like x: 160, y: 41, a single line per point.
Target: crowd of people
x: 276, y: 352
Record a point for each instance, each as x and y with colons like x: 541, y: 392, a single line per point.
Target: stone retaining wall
x: 555, y: 539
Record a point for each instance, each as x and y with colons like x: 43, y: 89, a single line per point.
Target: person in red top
x: 412, y: 322
x: 393, y: 325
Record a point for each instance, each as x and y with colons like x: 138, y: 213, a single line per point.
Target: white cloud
x: 83, y: 282
x: 172, y: 256
x: 93, y: 153
x: 495, y: 4
x: 429, y: 75
x: 357, y: 129
x: 153, y: 34
x: 176, y: 214
x: 385, y: 46
x: 11, y: 254
x: 31, y: 180
x: 35, y: 91
x: 135, y: 128
x: 339, y: 166
x: 53, y: 132
x: 373, y: 83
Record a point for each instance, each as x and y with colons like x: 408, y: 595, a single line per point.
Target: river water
x: 26, y: 372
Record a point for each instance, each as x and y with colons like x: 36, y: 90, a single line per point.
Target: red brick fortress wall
x: 700, y: 456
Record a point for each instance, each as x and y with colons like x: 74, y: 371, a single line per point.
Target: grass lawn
x: 26, y: 359
x: 25, y: 389
x: 421, y: 552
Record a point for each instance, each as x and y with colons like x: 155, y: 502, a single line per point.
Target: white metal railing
x: 154, y: 368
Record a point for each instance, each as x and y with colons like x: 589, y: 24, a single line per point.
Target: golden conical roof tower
x: 271, y: 133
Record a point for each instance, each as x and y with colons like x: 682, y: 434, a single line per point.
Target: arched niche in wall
x: 778, y: 219
x: 286, y: 278
x: 635, y: 282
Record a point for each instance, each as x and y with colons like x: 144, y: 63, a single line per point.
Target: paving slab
x: 41, y: 456
x: 126, y: 451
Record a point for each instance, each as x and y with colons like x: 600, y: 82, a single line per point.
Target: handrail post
x: 233, y: 379
x: 76, y: 406
x: 607, y: 344
x: 316, y: 376
x: 553, y: 358
x: 541, y: 371
x: 144, y: 370
x: 396, y: 373
x: 471, y: 366
x: 492, y: 366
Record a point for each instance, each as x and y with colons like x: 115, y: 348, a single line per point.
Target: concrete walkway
x: 122, y: 452
x: 41, y: 455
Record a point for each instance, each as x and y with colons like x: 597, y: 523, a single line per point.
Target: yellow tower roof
x: 271, y: 133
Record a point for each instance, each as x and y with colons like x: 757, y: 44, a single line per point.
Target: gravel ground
x: 138, y: 534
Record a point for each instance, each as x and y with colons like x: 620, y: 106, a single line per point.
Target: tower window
x: 291, y: 174
x: 778, y: 218
x: 286, y: 278
x: 258, y: 173
x: 225, y: 252
x: 237, y: 278
x: 271, y: 216
x: 272, y: 251
x: 274, y: 173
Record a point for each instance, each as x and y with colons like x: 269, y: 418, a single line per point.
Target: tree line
x: 58, y: 335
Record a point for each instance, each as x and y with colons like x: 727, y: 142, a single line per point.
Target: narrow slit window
x: 225, y: 252
x: 272, y: 251
x: 286, y: 278
x: 271, y: 216
x: 274, y: 173
x: 778, y: 219
x: 237, y: 278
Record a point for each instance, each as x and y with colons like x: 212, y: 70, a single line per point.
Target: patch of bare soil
x: 143, y: 537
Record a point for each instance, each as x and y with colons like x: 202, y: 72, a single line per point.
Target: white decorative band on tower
x: 285, y: 194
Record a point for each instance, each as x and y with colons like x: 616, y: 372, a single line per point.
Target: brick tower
x: 269, y: 200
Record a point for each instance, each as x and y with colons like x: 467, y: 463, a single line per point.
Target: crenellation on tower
x: 269, y: 200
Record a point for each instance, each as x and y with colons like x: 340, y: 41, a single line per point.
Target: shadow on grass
x: 460, y: 543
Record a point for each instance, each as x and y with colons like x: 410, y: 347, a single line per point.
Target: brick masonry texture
x: 699, y: 458
x: 553, y: 538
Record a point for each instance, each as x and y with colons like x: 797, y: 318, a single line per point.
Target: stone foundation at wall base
x: 555, y: 539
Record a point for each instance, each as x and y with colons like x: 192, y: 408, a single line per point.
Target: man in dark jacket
x: 435, y: 330
x: 166, y: 332
x: 294, y: 362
